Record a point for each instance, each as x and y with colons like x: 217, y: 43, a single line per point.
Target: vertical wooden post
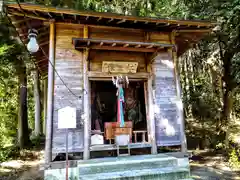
x: 147, y: 111
x: 87, y: 123
x: 44, y: 105
x: 49, y: 124
x: 37, y: 127
x: 178, y: 88
x: 151, y: 111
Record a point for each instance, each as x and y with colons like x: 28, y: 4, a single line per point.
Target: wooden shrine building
x: 79, y: 54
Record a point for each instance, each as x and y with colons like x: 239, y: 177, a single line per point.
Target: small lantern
x: 32, y: 45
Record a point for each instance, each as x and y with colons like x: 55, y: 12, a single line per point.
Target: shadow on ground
x: 211, y: 166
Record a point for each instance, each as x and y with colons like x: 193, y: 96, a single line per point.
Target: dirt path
x: 26, y: 168
x: 212, y: 168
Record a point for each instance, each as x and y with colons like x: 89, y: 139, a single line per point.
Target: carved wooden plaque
x: 119, y: 67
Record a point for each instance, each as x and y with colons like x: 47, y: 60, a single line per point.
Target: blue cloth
x: 121, y: 100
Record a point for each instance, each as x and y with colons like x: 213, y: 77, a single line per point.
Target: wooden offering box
x: 113, y: 128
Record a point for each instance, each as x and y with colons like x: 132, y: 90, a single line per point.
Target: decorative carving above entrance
x: 119, y: 67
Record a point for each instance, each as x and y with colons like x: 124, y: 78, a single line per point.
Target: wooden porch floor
x: 107, y: 147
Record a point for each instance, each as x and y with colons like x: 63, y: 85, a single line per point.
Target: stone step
x: 169, y: 173
x: 130, y: 163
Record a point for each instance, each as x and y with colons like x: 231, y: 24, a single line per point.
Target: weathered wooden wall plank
x: 159, y: 37
x: 117, y: 34
x: 68, y: 64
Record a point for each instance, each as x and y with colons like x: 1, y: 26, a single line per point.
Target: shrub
x: 234, y: 160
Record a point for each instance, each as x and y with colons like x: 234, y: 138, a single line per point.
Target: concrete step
x: 169, y: 173
x: 130, y: 163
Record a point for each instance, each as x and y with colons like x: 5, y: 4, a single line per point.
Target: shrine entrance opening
x: 104, y: 113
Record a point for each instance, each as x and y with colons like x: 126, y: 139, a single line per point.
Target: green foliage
x: 234, y: 158
x: 12, y: 56
x: 8, y: 153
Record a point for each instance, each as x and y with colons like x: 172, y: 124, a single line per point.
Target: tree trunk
x: 37, y: 128
x: 226, y: 58
x: 23, y: 132
x: 226, y: 113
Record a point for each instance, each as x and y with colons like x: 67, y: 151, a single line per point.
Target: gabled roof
x: 35, y: 16
x: 102, y: 18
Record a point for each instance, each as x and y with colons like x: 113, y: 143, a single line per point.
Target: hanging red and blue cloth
x: 120, y: 106
x: 119, y: 81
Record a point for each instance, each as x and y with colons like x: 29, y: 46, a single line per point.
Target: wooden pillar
x: 147, y: 111
x: 44, y: 105
x: 49, y: 123
x: 151, y: 111
x: 179, y: 100
x: 87, y: 123
x: 37, y: 124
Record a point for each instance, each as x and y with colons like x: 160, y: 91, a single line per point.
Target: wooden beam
x: 139, y: 75
x: 41, y: 66
x: 43, y: 34
x: 151, y: 111
x: 32, y: 7
x: 97, y: 47
x: 35, y: 13
x: 121, y: 21
x: 86, y: 94
x: 122, y: 42
x: 147, y: 111
x: 44, y: 43
x: 20, y: 21
x: 179, y: 93
x: 27, y: 15
x: 48, y: 145
x: 44, y: 105
x: 110, y: 20
x: 94, y: 26
x: 152, y: 57
x: 85, y: 32
x: 167, y: 24
x: 150, y: 46
x: 49, y: 14
x: 193, y: 31
x: 41, y: 31
x: 44, y: 59
x: 75, y: 17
